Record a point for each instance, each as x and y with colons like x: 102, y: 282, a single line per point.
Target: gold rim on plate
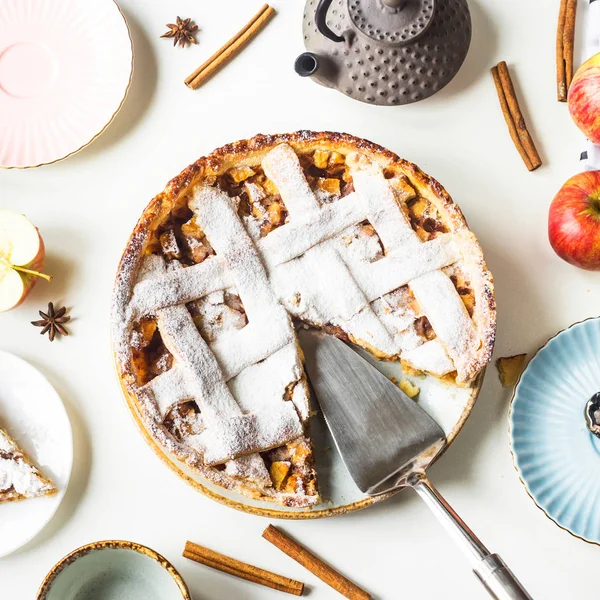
x: 112, y: 544
x: 112, y: 118
x: 510, y: 436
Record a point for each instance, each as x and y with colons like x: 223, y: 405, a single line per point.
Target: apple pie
x: 19, y: 477
x: 306, y: 229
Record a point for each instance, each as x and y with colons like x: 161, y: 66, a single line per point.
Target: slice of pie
x: 306, y: 229
x: 19, y: 477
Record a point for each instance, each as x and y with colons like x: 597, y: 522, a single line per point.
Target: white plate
x: 33, y: 414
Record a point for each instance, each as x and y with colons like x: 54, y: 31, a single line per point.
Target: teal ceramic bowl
x: 557, y: 458
x: 113, y: 570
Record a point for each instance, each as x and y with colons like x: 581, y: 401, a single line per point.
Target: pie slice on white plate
x: 20, y: 479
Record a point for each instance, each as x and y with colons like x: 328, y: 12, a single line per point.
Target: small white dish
x: 65, y: 69
x: 35, y: 417
x: 113, y: 570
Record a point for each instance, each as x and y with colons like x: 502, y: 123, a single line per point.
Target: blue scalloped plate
x: 557, y: 458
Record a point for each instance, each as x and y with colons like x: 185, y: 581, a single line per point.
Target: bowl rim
x: 70, y: 558
x: 511, y: 433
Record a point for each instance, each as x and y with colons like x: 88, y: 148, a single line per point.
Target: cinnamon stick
x: 514, y: 117
x: 314, y: 564
x: 561, y: 71
x: 234, y: 567
x: 569, y: 39
x: 231, y: 48
x: 565, y: 42
x: 509, y: 121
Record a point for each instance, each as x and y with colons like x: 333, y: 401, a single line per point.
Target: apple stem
x: 34, y: 273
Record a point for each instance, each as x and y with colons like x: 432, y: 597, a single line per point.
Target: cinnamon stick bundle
x: 231, y: 48
x: 514, y: 117
x: 234, y: 567
x: 314, y: 564
x: 565, y: 42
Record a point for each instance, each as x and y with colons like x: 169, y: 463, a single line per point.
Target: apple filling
x: 149, y: 355
x: 291, y: 467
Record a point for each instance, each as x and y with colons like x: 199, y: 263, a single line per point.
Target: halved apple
x: 22, y: 256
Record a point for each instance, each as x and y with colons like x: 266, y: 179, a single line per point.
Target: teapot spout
x: 307, y: 64
x: 320, y: 68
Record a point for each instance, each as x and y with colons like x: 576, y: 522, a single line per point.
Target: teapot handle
x: 321, y: 21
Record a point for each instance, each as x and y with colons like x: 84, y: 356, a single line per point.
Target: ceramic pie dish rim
x: 110, y: 120
x: 281, y: 512
x: 74, y: 555
x: 224, y: 158
x: 511, y: 437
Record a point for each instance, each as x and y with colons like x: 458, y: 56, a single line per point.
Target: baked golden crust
x: 250, y: 153
x: 32, y: 482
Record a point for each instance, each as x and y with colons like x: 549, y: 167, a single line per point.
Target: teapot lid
x: 392, y: 21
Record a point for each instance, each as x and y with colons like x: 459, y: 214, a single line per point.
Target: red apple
x: 21, y: 258
x: 574, y: 221
x: 584, y: 98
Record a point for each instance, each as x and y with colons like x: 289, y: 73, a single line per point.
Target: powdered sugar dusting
x: 251, y: 467
x: 18, y: 477
x: 269, y: 327
x: 303, y: 258
x: 282, y: 167
x: 179, y: 286
x: 447, y: 314
x: 430, y: 356
x: 222, y: 416
x: 310, y: 229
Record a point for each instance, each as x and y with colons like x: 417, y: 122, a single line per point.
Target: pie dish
x: 20, y: 479
x: 307, y: 229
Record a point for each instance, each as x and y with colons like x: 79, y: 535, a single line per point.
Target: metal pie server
x: 387, y: 441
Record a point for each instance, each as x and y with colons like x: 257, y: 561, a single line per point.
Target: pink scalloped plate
x: 65, y: 68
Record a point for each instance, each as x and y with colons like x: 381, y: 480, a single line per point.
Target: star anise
x: 183, y: 31
x: 53, y: 322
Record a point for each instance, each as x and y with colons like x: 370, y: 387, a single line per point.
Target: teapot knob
x: 399, y: 4
x: 396, y: 22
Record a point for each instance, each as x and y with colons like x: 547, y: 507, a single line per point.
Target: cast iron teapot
x: 386, y: 52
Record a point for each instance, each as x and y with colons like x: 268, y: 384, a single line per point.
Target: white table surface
x: 87, y: 205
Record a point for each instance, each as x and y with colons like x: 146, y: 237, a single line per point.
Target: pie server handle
x: 490, y: 569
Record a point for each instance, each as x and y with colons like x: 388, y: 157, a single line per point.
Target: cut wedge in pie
x: 20, y: 479
x: 268, y: 234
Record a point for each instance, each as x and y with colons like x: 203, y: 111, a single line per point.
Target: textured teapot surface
x: 384, y: 51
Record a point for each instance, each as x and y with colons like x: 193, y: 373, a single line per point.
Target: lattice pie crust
x: 317, y: 228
